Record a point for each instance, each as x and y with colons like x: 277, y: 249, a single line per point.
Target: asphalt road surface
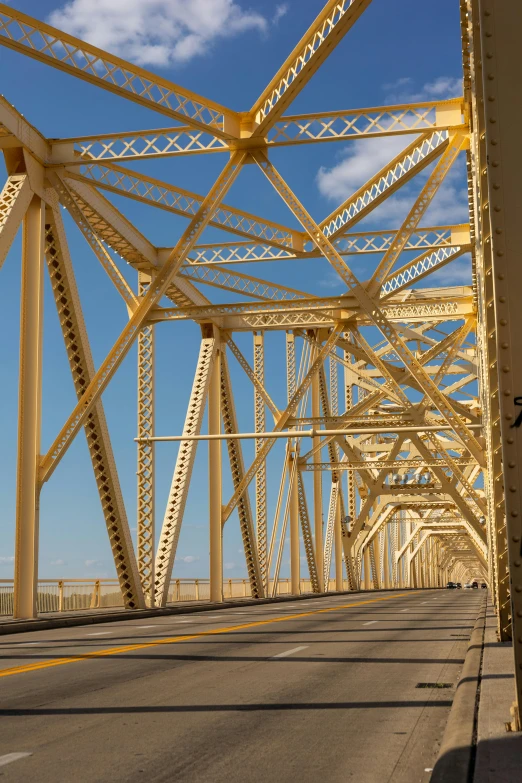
x: 315, y: 691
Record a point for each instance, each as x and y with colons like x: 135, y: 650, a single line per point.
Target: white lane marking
x: 9, y: 757
x: 29, y: 644
x: 405, y: 610
x: 371, y: 622
x: 424, y: 602
x: 100, y: 633
x: 184, y: 621
x: 290, y: 652
x: 143, y: 626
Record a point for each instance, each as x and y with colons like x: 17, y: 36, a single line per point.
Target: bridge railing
x: 69, y: 595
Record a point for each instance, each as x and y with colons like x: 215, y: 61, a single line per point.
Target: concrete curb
x: 457, y: 752
x: 46, y: 623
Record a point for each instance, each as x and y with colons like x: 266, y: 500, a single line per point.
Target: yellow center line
x: 31, y: 667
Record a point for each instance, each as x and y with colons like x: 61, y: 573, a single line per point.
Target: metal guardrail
x: 69, y: 595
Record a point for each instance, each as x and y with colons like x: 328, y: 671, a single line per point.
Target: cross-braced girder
x: 400, y: 400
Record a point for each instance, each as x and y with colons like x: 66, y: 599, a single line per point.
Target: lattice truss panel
x: 381, y: 396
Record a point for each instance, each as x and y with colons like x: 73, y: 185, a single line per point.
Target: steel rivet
x: 497, y: 209
x: 498, y: 231
x: 495, y: 163
x: 508, y: 416
x: 505, y: 368
x: 503, y: 322
x: 494, y: 142
x: 492, y: 119
x: 502, y: 299
x: 512, y: 464
x: 496, y: 186
x: 518, y: 589
x: 505, y: 345
x: 491, y: 98
x: 500, y: 252
x: 519, y: 613
x: 517, y: 563
x: 507, y: 393
x: 512, y: 489
x: 511, y: 440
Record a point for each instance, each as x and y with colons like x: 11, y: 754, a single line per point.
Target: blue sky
x: 396, y: 52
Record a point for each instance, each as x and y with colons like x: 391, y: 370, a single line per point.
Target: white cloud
x: 455, y: 273
x: 360, y: 161
x: 91, y: 563
x: 229, y: 566
x: 157, y: 32
x: 188, y: 559
x: 364, y: 158
x: 6, y: 560
x: 58, y: 563
x: 403, y: 90
x: 449, y: 205
x: 332, y: 280
x: 281, y: 10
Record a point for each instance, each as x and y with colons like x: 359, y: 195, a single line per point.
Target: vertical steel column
x: 338, y: 545
x: 145, y: 472
x: 367, y: 569
x: 260, y: 426
x: 29, y: 413
x: 295, y: 570
x: 375, y: 557
x: 215, y: 486
x: 480, y: 223
x: 500, y: 22
x: 386, y: 556
x: 318, y: 485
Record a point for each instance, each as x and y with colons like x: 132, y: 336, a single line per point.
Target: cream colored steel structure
x: 412, y: 393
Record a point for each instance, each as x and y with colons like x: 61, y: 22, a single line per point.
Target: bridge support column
x: 338, y: 544
x: 367, y: 569
x: 145, y: 473
x: 318, y: 490
x: 386, y: 557
x: 29, y: 414
x: 295, y: 551
x: 215, y: 499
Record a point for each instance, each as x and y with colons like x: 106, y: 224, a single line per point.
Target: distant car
x: 458, y: 585
x: 451, y: 586
x: 484, y: 586
x: 474, y: 585
x: 467, y: 586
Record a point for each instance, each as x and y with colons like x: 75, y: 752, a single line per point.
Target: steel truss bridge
x: 410, y: 394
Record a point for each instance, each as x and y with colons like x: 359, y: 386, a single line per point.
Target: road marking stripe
x: 371, y: 622
x: 405, y: 610
x: 29, y: 644
x: 143, y: 626
x: 9, y: 757
x: 289, y: 652
x: 100, y: 633
x: 31, y: 667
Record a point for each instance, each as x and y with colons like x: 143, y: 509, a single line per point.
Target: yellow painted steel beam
x: 120, y: 349
x: 149, y: 190
x: 29, y: 36
x: 323, y: 35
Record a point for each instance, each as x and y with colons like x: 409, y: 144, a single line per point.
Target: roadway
x: 322, y: 690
